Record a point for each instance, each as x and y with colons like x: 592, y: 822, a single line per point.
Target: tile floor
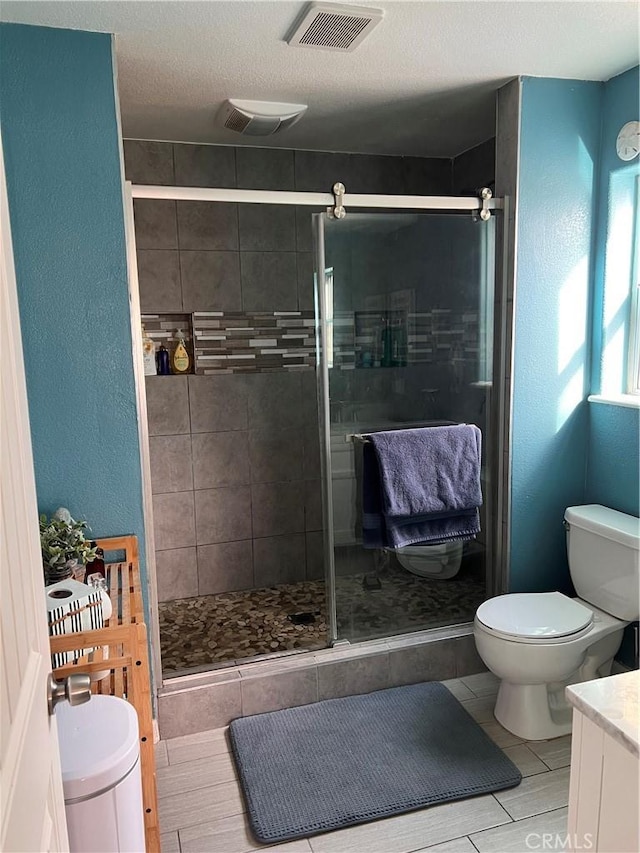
x: 202, y: 810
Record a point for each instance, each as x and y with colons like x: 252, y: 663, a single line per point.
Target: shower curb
x: 193, y: 703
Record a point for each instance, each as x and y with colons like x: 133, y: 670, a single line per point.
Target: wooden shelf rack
x: 121, y: 648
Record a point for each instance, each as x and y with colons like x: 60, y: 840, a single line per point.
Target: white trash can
x: 100, y: 756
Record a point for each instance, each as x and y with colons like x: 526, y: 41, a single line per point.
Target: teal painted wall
x: 559, y: 152
x: 613, y: 472
x: 62, y: 161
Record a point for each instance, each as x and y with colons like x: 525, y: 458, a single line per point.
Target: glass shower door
x: 404, y: 324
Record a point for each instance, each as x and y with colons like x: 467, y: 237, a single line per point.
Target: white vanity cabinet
x: 604, y: 796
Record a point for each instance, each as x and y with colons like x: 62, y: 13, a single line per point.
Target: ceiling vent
x: 331, y: 26
x: 258, y: 118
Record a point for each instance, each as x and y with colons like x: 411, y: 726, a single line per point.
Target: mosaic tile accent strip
x: 258, y: 342
x: 224, y: 342
x: 344, y: 340
x: 427, y: 337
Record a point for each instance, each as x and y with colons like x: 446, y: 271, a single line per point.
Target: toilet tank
x: 603, y: 546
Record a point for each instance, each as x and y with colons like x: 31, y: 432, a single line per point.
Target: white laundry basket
x: 100, y: 756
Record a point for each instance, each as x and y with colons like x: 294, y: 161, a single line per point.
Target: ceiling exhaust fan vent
x: 258, y: 118
x: 330, y: 26
x: 237, y: 121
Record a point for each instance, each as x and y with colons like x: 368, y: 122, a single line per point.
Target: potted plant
x: 64, y: 547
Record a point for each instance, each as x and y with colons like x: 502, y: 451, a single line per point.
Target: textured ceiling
x: 421, y: 84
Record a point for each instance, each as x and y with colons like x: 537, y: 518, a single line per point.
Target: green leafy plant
x: 62, y: 539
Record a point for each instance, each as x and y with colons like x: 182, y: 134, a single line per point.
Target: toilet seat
x: 437, y: 550
x: 539, y: 617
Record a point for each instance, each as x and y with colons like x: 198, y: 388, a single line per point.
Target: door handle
x: 76, y: 689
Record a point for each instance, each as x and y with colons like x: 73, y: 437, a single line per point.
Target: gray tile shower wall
x: 207, y: 510
x: 475, y: 168
x: 235, y: 456
x: 235, y: 476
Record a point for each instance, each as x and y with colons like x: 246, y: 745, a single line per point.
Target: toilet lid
x: 536, y: 615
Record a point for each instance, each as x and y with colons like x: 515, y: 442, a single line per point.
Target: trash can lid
x: 98, y: 744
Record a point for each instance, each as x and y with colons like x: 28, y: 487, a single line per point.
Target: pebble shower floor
x: 216, y: 630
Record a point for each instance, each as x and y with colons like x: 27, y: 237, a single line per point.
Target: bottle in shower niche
x: 162, y: 359
x: 180, y: 361
x: 404, y: 344
x: 399, y: 344
x: 148, y: 354
x: 386, y: 341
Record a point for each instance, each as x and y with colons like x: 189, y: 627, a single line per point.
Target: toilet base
x: 540, y: 711
x: 532, y: 712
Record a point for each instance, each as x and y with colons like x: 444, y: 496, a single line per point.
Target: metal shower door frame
x: 324, y: 424
x: 327, y: 200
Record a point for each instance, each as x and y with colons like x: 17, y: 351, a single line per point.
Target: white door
x: 32, y: 814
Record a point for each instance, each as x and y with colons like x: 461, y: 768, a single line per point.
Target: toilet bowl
x: 432, y: 561
x: 578, y: 644
x: 538, y: 643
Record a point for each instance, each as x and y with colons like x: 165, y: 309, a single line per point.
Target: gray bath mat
x: 345, y: 761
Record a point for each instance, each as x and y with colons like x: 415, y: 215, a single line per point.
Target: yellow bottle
x: 180, y: 360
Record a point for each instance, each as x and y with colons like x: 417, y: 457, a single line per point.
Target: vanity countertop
x: 612, y: 704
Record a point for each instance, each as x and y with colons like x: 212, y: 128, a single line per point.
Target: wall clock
x: 628, y: 141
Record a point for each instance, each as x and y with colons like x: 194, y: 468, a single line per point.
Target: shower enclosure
x: 403, y: 323
x: 404, y: 306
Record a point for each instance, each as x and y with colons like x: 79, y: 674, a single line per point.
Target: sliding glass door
x: 404, y: 324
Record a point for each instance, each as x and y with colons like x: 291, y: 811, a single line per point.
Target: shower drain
x: 307, y: 617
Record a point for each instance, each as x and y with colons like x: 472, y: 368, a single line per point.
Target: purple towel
x: 421, y: 486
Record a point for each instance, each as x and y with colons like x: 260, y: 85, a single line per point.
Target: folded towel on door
x: 421, y: 486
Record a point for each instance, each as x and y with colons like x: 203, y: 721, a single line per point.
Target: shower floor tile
x: 210, y: 630
x: 405, y: 602
x: 217, y: 630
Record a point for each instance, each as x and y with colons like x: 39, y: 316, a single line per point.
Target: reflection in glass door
x: 405, y: 339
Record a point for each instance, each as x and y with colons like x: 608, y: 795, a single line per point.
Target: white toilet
x: 538, y: 643
x: 440, y: 562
